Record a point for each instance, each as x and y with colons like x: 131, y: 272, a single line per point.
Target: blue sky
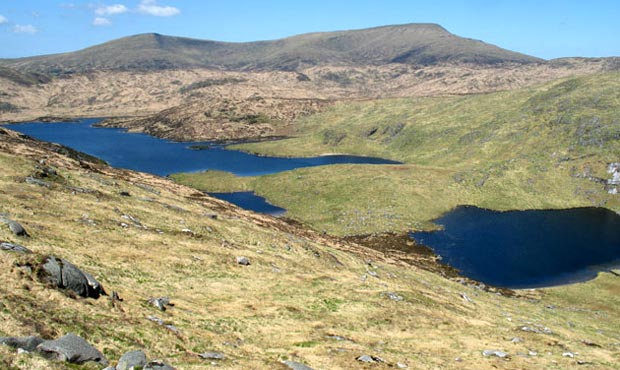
x: 543, y: 28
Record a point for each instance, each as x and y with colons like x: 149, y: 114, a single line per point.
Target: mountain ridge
x: 413, y: 43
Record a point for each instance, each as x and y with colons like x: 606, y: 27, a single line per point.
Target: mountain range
x: 422, y: 44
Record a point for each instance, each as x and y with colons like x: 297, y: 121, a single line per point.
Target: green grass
x: 525, y: 149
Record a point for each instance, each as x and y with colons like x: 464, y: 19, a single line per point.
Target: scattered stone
x: 212, y: 216
x: 31, y: 180
x: 64, y: 275
x: 568, y: 354
x: 132, y: 360
x: 494, y: 352
x: 161, y: 322
x: 400, y: 365
x: 21, y: 351
x: 172, y: 328
x: 158, y: 365
x: 161, y: 303
x: 71, y: 348
x: 175, y: 208
x: 590, y: 344
x: 26, y: 343
x: 532, y: 353
x: 77, y: 189
x: 393, y: 296
x: 296, y: 365
x: 537, y: 329
x: 10, y: 247
x: 337, y: 337
x: 16, y: 228
x: 212, y: 356
x: 134, y: 221
x: 466, y: 298
x: 155, y: 320
x: 582, y: 362
x: 243, y: 261
x: 370, y: 359
x: 45, y: 171
x: 516, y: 340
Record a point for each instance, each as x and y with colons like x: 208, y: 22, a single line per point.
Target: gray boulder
x: 65, y: 275
x: 74, y: 279
x: 16, y: 228
x: 158, y: 365
x: 296, y: 365
x: 26, y: 343
x: 71, y: 348
x: 131, y: 360
x: 244, y: 261
x: 10, y: 247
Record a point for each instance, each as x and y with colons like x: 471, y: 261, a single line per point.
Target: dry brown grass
x: 281, y: 96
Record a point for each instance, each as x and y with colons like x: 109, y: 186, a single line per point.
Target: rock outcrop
x: 65, y: 275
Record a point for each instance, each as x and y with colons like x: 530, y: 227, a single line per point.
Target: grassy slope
x: 507, y: 150
x: 300, y: 287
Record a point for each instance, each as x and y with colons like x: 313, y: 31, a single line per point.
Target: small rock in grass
x: 393, y: 296
x: 369, y: 359
x: 33, y: 181
x: 158, y: 365
x: 10, y: 247
x: 71, y: 348
x: 132, y: 360
x: 212, y: 356
x: 494, y: 352
x: 296, y: 365
x: 161, y: 302
x: 26, y: 343
x: 17, y: 229
x: 244, y: 261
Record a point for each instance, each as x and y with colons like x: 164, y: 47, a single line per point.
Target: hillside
x: 421, y: 44
x: 547, y: 146
x: 305, y: 297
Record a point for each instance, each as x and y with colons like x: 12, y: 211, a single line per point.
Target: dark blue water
x: 527, y: 249
x: 145, y: 153
x: 249, y: 200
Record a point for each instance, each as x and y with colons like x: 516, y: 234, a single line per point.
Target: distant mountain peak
x: 413, y: 43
